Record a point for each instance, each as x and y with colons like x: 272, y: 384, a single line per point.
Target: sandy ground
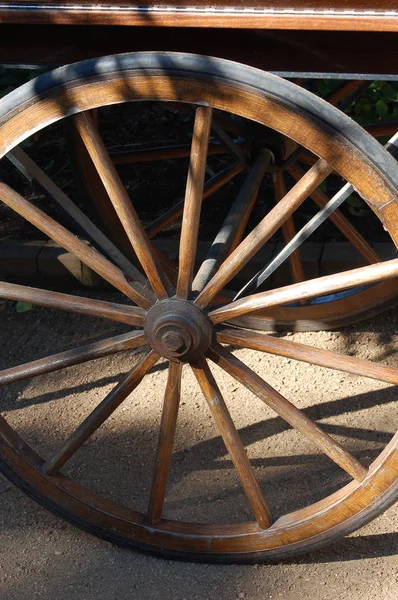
x: 43, y: 557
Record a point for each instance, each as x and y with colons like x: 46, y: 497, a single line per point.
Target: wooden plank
x: 320, y: 18
x: 288, y: 51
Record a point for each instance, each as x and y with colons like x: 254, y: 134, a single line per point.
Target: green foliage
x: 22, y: 307
x: 324, y: 87
x: 378, y: 103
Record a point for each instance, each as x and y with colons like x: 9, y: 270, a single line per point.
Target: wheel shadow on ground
x: 352, y: 548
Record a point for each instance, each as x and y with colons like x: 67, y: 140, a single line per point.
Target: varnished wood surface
x: 222, y: 4
x: 328, y: 315
x: 302, y: 352
x: 296, y: 530
x: 122, y: 313
x: 121, y: 202
x: 70, y: 242
x: 264, y: 231
x: 301, y: 291
x: 232, y: 442
x: 87, y: 177
x: 193, y: 200
x: 165, y: 443
x: 358, y: 15
x: 55, y: 362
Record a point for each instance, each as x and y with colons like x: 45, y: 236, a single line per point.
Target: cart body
x: 316, y: 38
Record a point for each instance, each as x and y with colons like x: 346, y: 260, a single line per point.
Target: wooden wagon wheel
x: 180, y: 326
x: 326, y: 313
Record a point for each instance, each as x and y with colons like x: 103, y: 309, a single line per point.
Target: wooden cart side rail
x: 363, y: 15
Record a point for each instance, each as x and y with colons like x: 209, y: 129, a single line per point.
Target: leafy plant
x: 377, y: 103
x: 22, y: 307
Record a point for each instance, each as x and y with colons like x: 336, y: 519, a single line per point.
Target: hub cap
x: 178, y: 330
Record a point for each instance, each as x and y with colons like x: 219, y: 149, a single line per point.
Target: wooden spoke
x: 193, y: 200
x: 296, y: 292
x: 121, y: 203
x: 229, y: 143
x: 346, y: 89
x: 232, y: 125
x: 341, y: 222
x: 231, y: 229
x: 20, y: 158
x: 308, y: 354
x: 232, y: 442
x: 165, y: 443
x: 59, y: 361
x: 295, y: 417
x: 163, y: 153
x: 306, y: 158
x: 101, y: 413
x: 210, y: 187
x: 288, y: 231
x: 382, y: 129
x: 241, y: 228
x: 121, y: 313
x: 263, y: 231
x: 70, y: 242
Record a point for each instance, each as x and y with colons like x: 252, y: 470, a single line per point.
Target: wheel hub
x: 178, y: 330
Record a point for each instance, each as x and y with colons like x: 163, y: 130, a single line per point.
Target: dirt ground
x: 45, y: 558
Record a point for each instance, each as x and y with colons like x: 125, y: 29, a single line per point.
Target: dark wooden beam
x: 313, y: 52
